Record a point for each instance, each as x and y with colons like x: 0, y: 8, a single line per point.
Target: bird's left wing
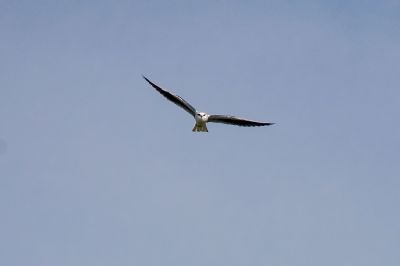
x: 176, y: 99
x: 237, y: 121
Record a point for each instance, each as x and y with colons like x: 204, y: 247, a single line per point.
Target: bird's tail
x: 200, y: 128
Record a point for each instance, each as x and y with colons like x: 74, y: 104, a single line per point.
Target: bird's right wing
x: 233, y: 120
x: 176, y: 99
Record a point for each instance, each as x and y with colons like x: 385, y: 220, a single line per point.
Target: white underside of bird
x: 202, y: 118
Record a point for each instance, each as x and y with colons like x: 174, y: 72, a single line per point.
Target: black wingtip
x: 151, y: 83
x: 143, y: 76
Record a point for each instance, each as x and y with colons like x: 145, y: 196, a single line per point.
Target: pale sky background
x: 96, y: 168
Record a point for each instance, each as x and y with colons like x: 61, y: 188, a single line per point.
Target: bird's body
x: 202, y: 118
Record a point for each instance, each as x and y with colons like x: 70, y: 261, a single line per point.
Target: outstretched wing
x: 174, y: 98
x: 233, y: 120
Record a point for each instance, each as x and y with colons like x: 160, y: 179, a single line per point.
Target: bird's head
x: 201, y: 116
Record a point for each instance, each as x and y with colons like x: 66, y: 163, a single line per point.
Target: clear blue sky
x: 96, y: 168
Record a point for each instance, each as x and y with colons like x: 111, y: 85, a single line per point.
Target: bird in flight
x: 203, y: 118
